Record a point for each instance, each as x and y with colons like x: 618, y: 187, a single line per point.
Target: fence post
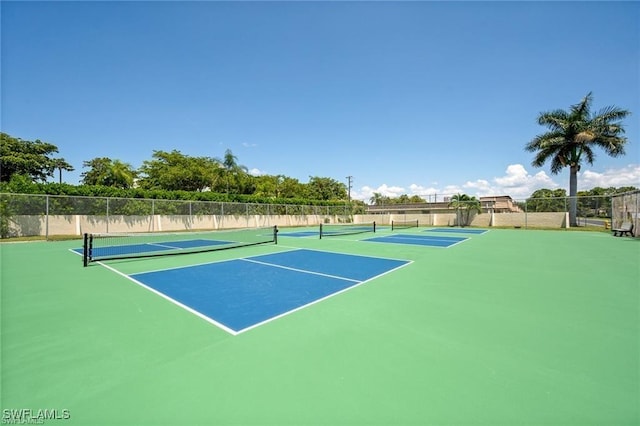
x: 46, y: 219
x: 107, y: 198
x: 636, y: 220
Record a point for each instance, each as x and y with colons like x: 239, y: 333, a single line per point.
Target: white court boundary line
x: 170, y: 299
x: 304, y: 271
x: 211, y: 262
x: 223, y: 327
x: 415, y: 237
x: 344, y: 290
x: 455, y: 230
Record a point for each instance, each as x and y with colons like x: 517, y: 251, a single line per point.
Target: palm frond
x: 554, y: 120
x: 545, y: 141
x: 588, y: 154
x: 582, y: 108
x: 609, y: 114
x: 557, y: 164
x: 612, y: 145
x: 544, y: 154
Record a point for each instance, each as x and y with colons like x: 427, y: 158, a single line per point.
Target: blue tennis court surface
x: 300, y: 234
x: 240, y: 294
x: 457, y: 230
x: 419, y: 240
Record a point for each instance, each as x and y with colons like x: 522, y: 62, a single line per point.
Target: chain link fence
x: 501, y: 211
x: 626, y: 209
x: 23, y: 215
x: 592, y: 211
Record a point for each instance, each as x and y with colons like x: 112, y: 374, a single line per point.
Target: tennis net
x: 110, y: 246
x: 402, y: 224
x: 330, y: 230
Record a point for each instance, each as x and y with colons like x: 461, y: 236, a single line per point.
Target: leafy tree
x: 98, y: 171
x: 6, y: 216
x: 547, y: 200
x: 377, y: 199
x: 107, y: 172
x: 624, y: 189
x: 174, y: 171
x: 290, y: 188
x: 320, y: 188
x: 266, y: 186
x: 572, y: 137
x: 278, y: 186
x: 244, y: 183
x: 19, y: 184
x: 597, y: 201
x: 403, y: 199
x: 464, y: 206
x: 33, y: 159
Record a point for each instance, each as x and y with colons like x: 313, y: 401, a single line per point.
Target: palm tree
x: 571, y: 138
x: 61, y: 164
x: 232, y: 168
x: 122, y: 175
x: 464, y: 206
x: 379, y: 200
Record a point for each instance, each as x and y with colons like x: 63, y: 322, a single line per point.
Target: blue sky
x: 407, y: 97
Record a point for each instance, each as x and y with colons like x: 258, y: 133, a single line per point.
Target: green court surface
x: 508, y: 327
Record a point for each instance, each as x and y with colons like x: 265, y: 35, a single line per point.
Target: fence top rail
x: 164, y: 200
x: 622, y: 194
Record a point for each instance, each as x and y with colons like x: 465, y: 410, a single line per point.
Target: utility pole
x: 349, y: 182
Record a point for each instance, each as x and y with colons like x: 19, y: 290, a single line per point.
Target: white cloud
x: 516, y: 175
x: 516, y: 182
x: 452, y: 189
x: 366, y: 192
x: 432, y: 193
x: 255, y: 172
x: 249, y: 145
x: 626, y: 176
x: 391, y: 191
x: 422, y: 191
x: 479, y: 185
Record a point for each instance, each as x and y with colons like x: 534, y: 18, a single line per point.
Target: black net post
x: 85, y: 250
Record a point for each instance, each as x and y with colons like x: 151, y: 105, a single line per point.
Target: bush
x: 22, y: 185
